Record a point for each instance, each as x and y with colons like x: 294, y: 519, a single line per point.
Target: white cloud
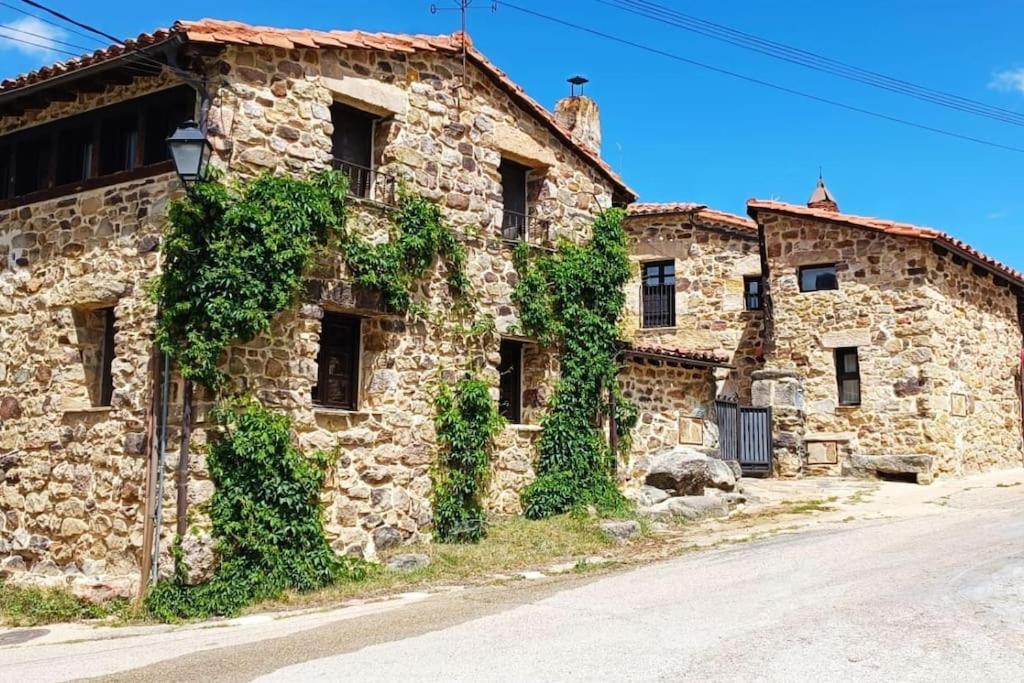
x: 1011, y: 80
x: 31, y: 30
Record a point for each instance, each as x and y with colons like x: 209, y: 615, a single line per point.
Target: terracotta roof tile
x: 890, y: 227
x: 238, y: 33
x: 670, y: 353
x: 700, y: 210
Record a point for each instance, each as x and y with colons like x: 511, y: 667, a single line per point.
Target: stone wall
x: 676, y: 406
x: 71, y: 495
x: 711, y: 259
x: 926, y: 330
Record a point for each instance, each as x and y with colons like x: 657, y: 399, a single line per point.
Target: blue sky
x: 679, y: 133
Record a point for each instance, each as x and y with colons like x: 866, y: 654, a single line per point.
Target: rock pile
x: 688, y: 482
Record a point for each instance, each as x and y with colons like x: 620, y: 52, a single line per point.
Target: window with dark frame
x: 107, y: 361
x: 352, y: 146
x: 818, y: 278
x: 510, y: 391
x: 338, y: 362
x: 515, y: 223
x: 86, y: 148
x: 753, y: 292
x: 658, y: 294
x: 848, y: 376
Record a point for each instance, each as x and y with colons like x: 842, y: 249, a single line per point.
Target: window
x: 81, y: 150
x: 848, y: 376
x: 510, y: 390
x: 74, y: 163
x: 352, y: 146
x: 658, y: 294
x: 514, y: 220
x: 106, y: 376
x: 753, y: 292
x: 818, y: 278
x: 338, y: 362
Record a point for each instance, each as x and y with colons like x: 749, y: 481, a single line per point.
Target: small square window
x: 338, y: 363
x: 818, y: 278
x: 510, y: 391
x: 753, y: 292
x: 848, y: 376
x: 658, y: 294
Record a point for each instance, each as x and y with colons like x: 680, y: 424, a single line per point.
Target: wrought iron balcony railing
x: 657, y: 305
x: 368, y: 183
x: 521, y: 227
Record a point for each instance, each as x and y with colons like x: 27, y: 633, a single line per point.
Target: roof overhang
x: 695, y: 359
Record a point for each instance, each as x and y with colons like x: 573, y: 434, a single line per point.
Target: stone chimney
x: 822, y: 198
x: 581, y: 116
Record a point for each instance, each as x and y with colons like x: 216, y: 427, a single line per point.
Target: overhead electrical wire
x: 41, y: 46
x: 814, y: 61
x: 45, y: 38
x: 761, y: 82
x: 49, y: 21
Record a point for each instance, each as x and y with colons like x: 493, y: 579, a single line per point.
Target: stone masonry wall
x: 711, y: 261
x: 676, y: 406
x: 71, y: 495
x: 924, y: 330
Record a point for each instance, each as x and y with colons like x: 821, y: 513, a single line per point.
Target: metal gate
x: 745, y: 435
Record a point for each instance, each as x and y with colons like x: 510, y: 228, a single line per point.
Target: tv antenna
x: 462, y: 7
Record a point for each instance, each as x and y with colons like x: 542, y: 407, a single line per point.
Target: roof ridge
x: 891, y: 227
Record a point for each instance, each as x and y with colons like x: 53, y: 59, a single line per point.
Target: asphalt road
x: 925, y: 597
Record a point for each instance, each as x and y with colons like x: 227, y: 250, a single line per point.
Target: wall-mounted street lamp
x: 190, y: 151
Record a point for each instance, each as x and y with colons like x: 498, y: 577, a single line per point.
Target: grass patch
x: 1003, y: 485
x: 511, y: 545
x: 34, y: 606
x: 805, y: 506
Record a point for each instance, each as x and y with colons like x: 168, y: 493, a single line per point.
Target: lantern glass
x: 190, y: 152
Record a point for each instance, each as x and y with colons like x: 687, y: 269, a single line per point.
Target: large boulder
x: 685, y: 471
x: 621, y: 530
x: 646, y: 495
x: 693, y: 508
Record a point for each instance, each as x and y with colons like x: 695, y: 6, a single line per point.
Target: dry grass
x: 511, y: 545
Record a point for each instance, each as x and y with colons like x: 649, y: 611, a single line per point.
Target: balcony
x: 368, y: 183
x: 658, y: 306
x: 521, y: 227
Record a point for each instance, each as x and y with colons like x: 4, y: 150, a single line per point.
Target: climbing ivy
x: 467, y: 422
x: 573, y: 299
x: 418, y: 236
x: 266, y: 517
x: 234, y: 256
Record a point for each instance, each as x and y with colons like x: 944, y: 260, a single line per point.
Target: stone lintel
x: 839, y: 339
x: 780, y: 373
x: 829, y: 436
x: 368, y: 94
x: 811, y: 258
x: 519, y: 147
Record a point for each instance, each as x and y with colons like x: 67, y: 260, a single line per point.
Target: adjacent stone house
x: 891, y: 349
x: 86, y: 185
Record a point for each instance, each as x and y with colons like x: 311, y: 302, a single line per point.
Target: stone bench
x: 877, y: 466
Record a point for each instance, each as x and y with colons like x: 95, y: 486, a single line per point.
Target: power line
x: 811, y: 60
x: 758, y: 81
x: 34, y: 44
x: 68, y: 19
x: 41, y: 36
x: 49, y: 21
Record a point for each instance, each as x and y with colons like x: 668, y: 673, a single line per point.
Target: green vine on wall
x: 574, y: 299
x: 393, y: 267
x: 234, y: 256
x: 466, y: 421
x: 266, y: 517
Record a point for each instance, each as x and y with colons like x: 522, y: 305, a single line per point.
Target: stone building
x: 86, y: 185
x: 891, y: 349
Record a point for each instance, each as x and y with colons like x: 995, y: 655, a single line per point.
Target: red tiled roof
x: 683, y: 355
x: 237, y: 33
x: 891, y: 227
x: 699, y: 210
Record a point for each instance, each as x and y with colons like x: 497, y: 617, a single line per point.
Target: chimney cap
x: 822, y: 197
x: 575, y: 81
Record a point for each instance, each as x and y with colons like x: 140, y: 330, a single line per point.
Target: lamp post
x: 190, y: 151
